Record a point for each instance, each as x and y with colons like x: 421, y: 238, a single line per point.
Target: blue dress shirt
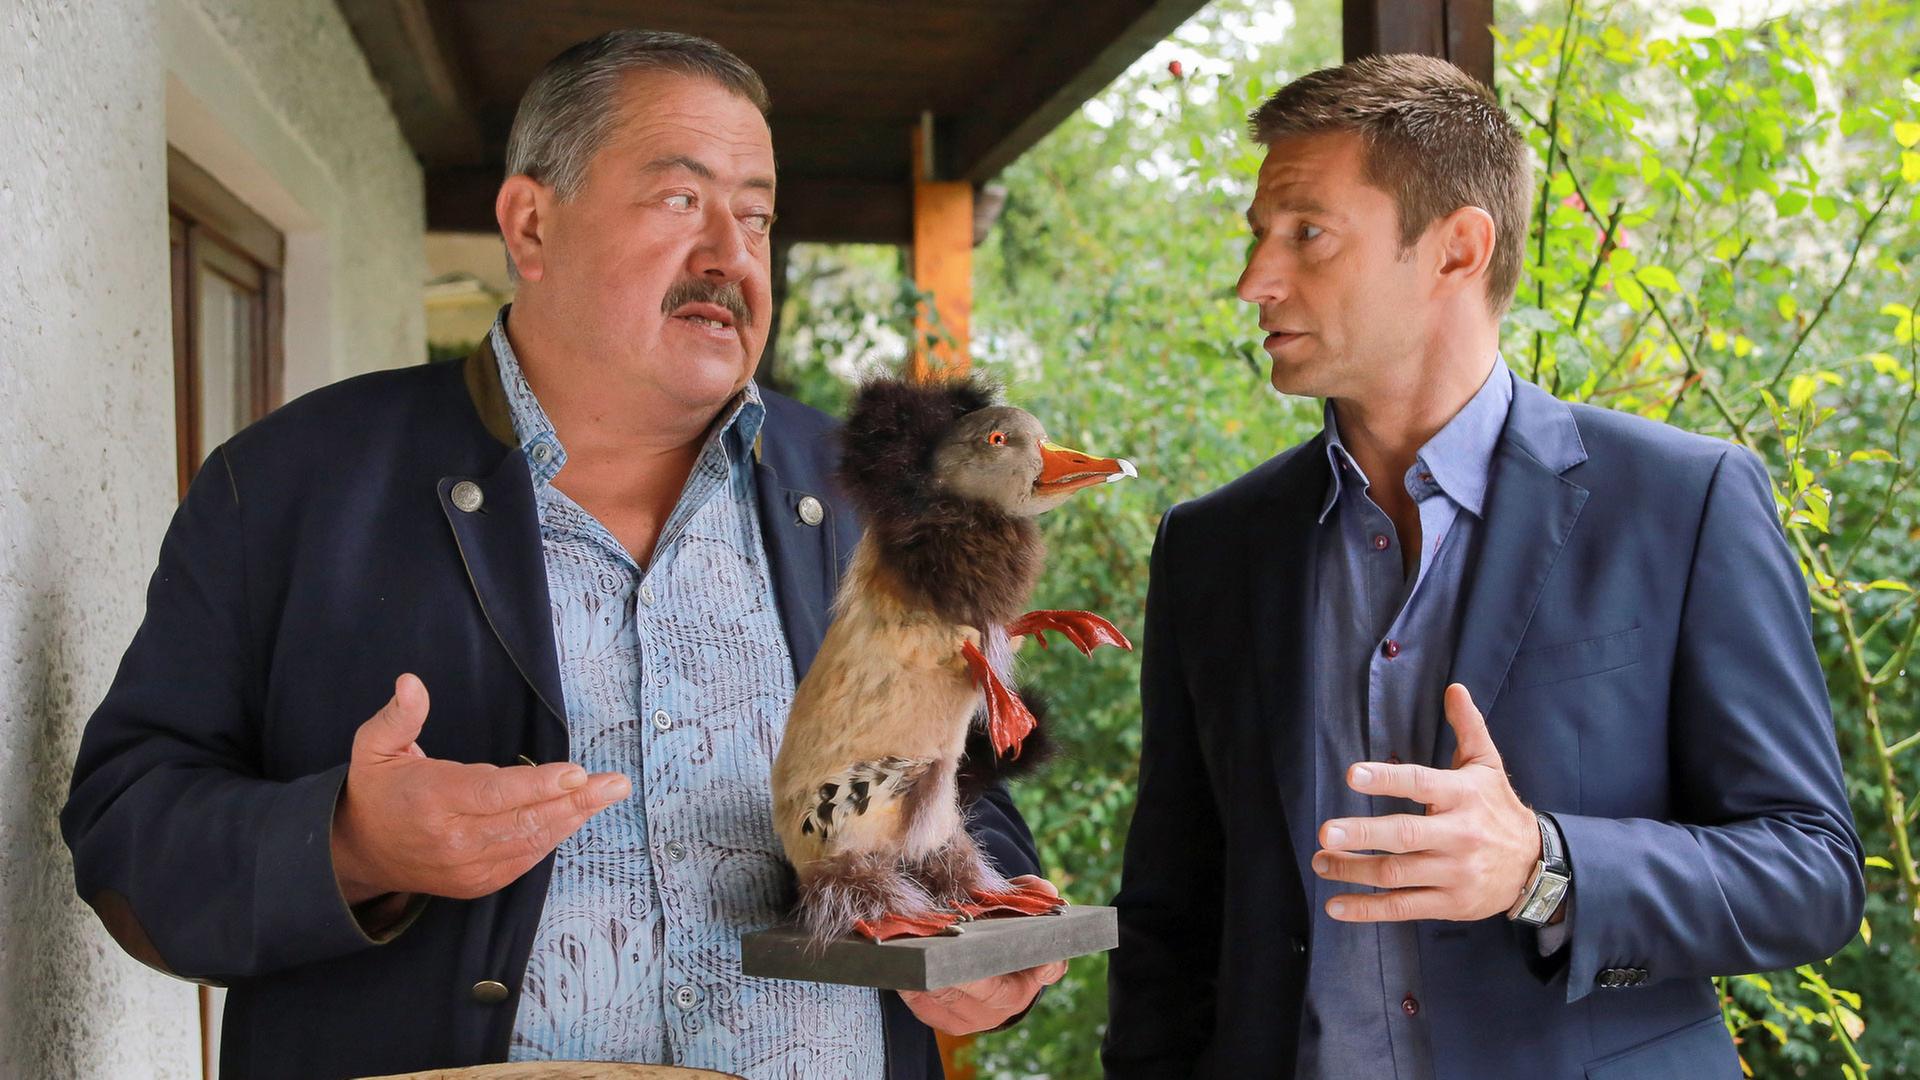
x: 1386, y: 643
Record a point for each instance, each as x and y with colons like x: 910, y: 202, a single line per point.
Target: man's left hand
x: 1467, y: 859
x: 984, y: 1003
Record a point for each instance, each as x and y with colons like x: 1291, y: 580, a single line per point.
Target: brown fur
x: 967, y: 561
x: 845, y: 889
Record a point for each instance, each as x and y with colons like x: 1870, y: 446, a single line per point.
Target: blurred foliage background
x: 1726, y: 238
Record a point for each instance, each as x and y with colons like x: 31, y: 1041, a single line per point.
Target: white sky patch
x: 1666, y: 13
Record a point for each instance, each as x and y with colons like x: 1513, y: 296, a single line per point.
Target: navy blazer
x: 318, y: 555
x: 1638, y: 635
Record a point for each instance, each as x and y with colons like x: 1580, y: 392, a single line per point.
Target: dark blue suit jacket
x: 318, y: 555
x: 1636, y: 632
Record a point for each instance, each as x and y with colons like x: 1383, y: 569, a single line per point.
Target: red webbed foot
x: 1008, y: 718
x: 1085, y: 630
x: 1016, y: 899
x: 887, y: 927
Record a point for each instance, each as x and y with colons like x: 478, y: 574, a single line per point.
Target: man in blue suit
x: 608, y: 556
x: 1481, y: 729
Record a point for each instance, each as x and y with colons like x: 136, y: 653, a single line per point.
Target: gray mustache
x: 701, y: 291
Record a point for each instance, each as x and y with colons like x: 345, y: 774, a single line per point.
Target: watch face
x: 1546, y: 899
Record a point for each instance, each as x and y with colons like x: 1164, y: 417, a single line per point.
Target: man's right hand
x: 408, y: 823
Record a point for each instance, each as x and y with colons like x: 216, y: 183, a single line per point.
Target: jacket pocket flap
x: 1558, y: 663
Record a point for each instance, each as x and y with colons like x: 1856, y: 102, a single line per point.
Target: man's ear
x: 522, y: 208
x: 1464, y: 250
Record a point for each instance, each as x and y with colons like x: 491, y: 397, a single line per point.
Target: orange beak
x: 1063, y: 470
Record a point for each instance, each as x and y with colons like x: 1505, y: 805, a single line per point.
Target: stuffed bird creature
x: 867, y: 786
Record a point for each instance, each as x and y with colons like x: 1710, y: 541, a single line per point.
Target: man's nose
x: 1265, y: 278
x: 723, y: 252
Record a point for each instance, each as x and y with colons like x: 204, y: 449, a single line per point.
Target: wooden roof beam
x: 413, y: 59
x: 1028, y: 98
x: 1455, y: 30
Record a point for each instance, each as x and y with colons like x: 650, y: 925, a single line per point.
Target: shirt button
x: 543, y: 453
x: 1380, y: 541
x: 646, y: 595
x: 676, y: 850
x: 1426, y: 478
x: 1410, y: 1005
x: 1391, y: 649
x: 662, y: 721
x: 683, y: 997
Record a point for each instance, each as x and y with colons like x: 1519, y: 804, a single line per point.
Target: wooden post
x: 942, y: 265
x: 1456, y: 30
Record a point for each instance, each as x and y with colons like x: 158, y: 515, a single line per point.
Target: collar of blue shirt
x: 1458, y: 458
x: 737, y: 425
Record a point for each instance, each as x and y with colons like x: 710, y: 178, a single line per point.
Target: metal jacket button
x: 489, y: 992
x: 811, y: 512
x: 467, y: 497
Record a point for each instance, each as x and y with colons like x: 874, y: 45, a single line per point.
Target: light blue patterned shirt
x: 676, y: 674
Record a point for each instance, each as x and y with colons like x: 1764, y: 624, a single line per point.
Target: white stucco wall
x: 274, y: 99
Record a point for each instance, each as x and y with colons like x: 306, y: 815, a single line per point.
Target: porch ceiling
x: 848, y: 79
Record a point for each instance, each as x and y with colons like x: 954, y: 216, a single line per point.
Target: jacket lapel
x: 1281, y: 566
x: 1531, y: 510
x: 807, y: 537
x: 497, y: 529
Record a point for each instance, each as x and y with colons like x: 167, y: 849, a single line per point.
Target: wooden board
x: 983, y: 948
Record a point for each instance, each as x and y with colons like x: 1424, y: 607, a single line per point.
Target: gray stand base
x: 983, y: 948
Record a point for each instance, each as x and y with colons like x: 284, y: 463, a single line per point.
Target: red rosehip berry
x: 1176, y: 69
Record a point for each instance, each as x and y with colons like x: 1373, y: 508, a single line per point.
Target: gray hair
x: 568, y: 112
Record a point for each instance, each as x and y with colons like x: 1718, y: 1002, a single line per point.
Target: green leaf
x: 1819, y: 510
x: 1630, y: 292
x: 1906, y: 133
x: 1658, y: 277
x: 1825, y: 207
x: 1875, y: 454
x: 1789, y: 203
x: 1910, y: 166
x: 1699, y: 16
x: 1890, y: 585
x: 1885, y: 364
x: 1879, y: 862
x: 1800, y: 389
x: 1787, y: 306
x: 1650, y: 169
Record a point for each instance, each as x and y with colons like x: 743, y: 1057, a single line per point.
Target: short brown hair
x: 1435, y: 140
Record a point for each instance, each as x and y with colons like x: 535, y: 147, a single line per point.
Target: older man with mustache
x: 609, y: 555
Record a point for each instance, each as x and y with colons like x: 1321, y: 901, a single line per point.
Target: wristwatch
x: 1552, y: 875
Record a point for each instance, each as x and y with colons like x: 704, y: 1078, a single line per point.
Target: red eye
x: 998, y: 438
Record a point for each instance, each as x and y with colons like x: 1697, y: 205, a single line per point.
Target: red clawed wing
x: 1083, y: 628
x: 1008, y: 720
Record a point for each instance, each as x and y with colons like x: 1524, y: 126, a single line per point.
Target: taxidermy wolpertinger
x: 867, y: 787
